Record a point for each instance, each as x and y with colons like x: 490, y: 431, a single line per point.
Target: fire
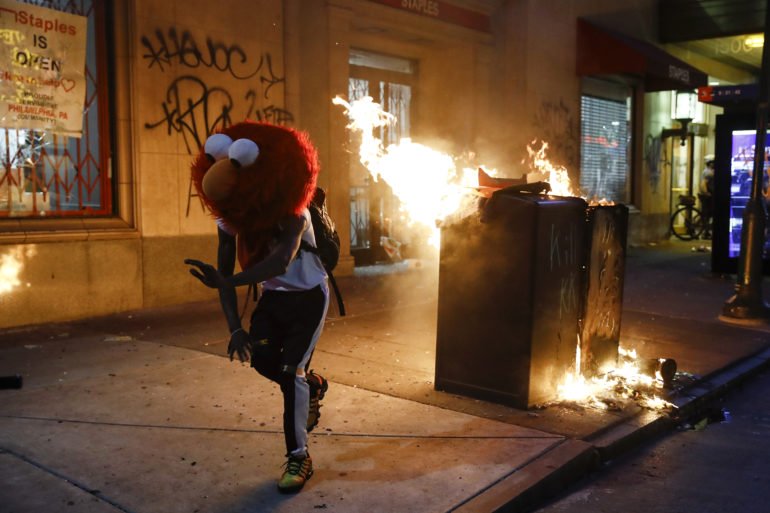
x: 625, y: 382
x: 427, y: 183
x: 542, y: 168
x: 10, y: 268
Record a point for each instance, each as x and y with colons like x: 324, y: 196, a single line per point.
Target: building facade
x: 101, y: 223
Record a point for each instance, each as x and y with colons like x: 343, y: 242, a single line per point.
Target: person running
x: 257, y: 179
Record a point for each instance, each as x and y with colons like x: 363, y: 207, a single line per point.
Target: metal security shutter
x: 604, y: 149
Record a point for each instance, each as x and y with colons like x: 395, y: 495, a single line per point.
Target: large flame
x: 427, y: 183
x: 11, y: 266
x: 543, y: 169
x: 625, y: 382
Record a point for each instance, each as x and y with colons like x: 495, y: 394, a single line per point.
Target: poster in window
x: 42, y: 69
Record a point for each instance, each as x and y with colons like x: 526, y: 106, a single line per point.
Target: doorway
x: 374, y: 216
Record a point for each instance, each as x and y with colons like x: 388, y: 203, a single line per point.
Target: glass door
x: 374, y: 215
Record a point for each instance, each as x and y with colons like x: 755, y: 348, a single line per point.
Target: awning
x: 603, y: 52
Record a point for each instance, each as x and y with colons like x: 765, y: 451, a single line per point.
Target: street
x: 719, y: 467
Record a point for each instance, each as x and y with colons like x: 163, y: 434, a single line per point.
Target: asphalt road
x: 706, y: 466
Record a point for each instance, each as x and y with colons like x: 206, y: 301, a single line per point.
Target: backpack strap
x: 340, y: 304
x: 306, y: 246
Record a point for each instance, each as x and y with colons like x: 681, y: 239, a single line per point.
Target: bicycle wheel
x: 686, y: 223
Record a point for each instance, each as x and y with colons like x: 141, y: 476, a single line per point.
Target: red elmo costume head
x: 252, y: 175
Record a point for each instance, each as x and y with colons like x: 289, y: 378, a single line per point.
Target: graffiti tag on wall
x: 196, y: 106
x: 557, y: 126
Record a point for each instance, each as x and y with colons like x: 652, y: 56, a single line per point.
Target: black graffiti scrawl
x: 557, y: 126
x: 171, y: 47
x: 196, y: 106
x: 195, y: 110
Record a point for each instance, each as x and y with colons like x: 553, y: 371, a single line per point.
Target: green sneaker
x: 318, y: 387
x: 297, y: 471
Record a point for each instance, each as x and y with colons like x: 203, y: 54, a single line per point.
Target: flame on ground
x: 622, y: 383
x: 11, y: 266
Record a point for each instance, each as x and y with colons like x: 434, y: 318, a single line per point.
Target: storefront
x: 101, y: 223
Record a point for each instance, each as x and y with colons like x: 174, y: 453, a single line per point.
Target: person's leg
x: 301, y: 320
x: 301, y: 323
x: 265, y: 339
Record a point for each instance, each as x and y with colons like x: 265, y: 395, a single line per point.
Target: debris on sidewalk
x: 713, y: 415
x: 118, y: 338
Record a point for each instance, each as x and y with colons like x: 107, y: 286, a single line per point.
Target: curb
x: 536, y: 480
x: 690, y: 402
x: 547, y: 475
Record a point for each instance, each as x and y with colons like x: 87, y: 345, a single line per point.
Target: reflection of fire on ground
x: 430, y: 189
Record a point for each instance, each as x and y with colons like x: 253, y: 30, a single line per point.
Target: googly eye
x: 216, y: 147
x: 243, y: 152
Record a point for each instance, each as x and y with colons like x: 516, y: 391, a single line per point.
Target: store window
x: 389, y: 81
x: 605, y: 142
x: 53, y: 175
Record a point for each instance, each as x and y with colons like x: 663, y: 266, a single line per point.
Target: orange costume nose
x: 220, y: 180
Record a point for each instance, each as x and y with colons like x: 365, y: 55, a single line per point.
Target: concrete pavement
x: 140, y: 412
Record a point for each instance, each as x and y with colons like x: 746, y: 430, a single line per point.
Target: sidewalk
x: 141, y: 412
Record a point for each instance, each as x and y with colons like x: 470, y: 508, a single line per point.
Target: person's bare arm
x: 226, y: 266
x: 274, y: 264
x: 277, y: 261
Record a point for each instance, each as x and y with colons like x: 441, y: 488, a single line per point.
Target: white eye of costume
x: 243, y: 152
x: 216, y: 147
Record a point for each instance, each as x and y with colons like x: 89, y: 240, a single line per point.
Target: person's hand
x: 240, y: 345
x: 207, y: 274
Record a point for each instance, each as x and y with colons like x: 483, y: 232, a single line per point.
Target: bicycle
x: 687, y: 221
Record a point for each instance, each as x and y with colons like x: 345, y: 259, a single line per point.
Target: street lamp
x: 683, y: 111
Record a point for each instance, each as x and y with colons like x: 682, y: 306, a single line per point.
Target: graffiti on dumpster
x: 604, y: 291
x: 600, y: 334
x: 564, y: 253
x: 568, y: 301
x: 562, y: 244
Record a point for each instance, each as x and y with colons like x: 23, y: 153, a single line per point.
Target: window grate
x: 604, y: 149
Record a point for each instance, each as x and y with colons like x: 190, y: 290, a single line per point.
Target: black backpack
x: 327, y: 240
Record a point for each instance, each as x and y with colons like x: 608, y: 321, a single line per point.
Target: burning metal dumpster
x: 510, y: 295
x: 607, y: 228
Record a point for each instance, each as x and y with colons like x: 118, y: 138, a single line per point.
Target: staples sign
x: 42, y: 69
